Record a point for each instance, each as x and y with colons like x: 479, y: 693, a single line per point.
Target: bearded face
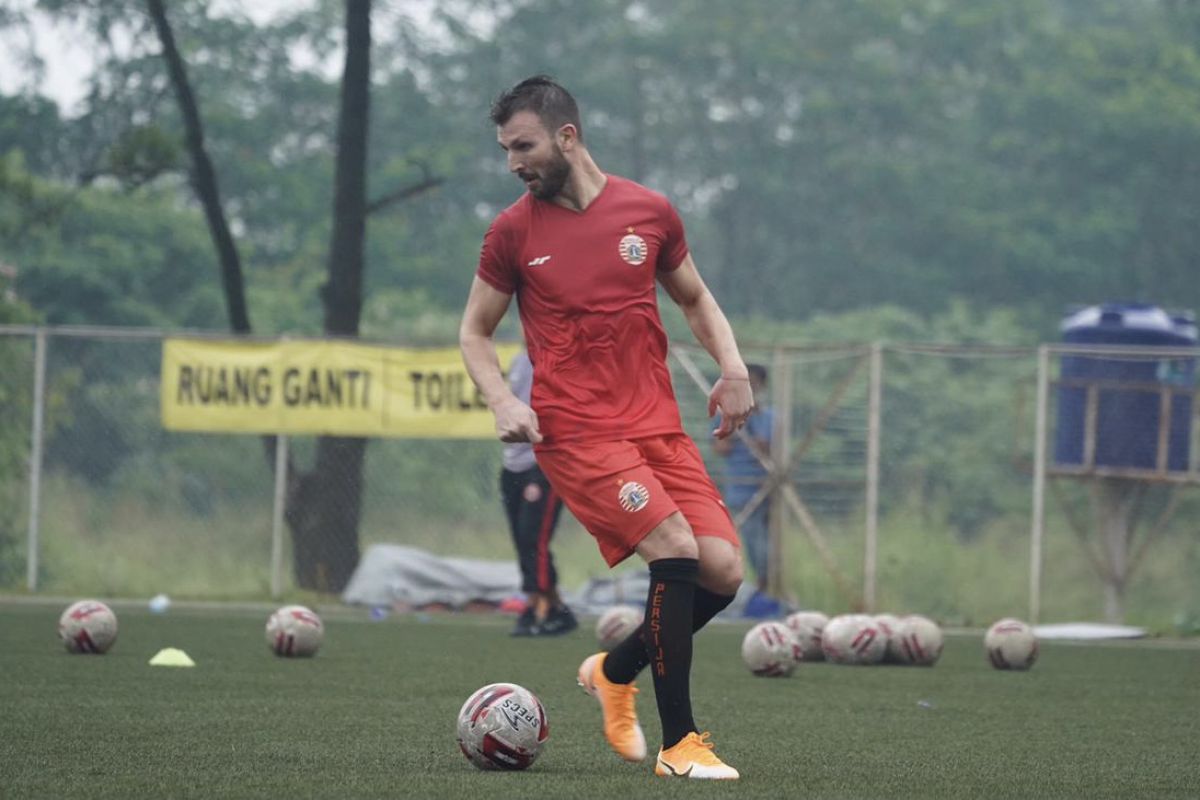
x: 547, y: 180
x: 534, y: 156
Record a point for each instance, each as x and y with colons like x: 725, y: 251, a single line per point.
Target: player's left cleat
x: 693, y: 757
x: 526, y: 623
x: 621, y: 727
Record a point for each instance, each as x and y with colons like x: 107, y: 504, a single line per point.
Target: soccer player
x: 582, y: 250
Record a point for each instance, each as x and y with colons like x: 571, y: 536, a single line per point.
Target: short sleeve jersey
x: 585, y: 284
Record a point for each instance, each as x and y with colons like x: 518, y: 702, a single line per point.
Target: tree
x: 204, y: 179
x: 323, y: 505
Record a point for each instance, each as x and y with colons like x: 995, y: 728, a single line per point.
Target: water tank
x: 1127, y: 419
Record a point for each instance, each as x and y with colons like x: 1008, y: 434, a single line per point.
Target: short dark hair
x: 542, y: 95
x: 758, y: 371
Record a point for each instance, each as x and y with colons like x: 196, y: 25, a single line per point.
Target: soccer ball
x: 88, y: 626
x: 918, y: 640
x: 294, y: 631
x: 888, y: 626
x: 502, y: 726
x: 615, y: 625
x: 853, y: 639
x: 770, y: 650
x: 806, y: 626
x: 1011, y: 644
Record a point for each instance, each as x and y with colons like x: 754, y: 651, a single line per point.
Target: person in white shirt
x: 533, y: 509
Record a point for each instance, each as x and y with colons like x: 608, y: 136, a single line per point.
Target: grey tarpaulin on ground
x: 393, y: 574
x: 398, y: 575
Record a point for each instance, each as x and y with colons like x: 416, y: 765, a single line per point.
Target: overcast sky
x: 68, y: 60
x: 64, y: 48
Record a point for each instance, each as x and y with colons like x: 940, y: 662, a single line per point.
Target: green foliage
x: 827, y: 157
x: 897, y: 171
x: 16, y: 395
x: 109, y: 257
x: 31, y: 126
x: 142, y: 154
x: 27, y: 204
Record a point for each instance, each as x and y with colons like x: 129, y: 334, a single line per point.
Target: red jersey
x: 585, y: 287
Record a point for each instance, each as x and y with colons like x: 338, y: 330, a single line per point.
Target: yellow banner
x: 334, y: 388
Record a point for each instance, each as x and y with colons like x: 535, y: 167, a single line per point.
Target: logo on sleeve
x: 633, y: 249
x: 537, y: 262
x: 633, y: 496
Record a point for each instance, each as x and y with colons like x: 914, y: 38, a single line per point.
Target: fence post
x: 1037, y: 524
x: 281, y: 461
x: 874, y: 416
x: 781, y: 438
x: 35, y: 458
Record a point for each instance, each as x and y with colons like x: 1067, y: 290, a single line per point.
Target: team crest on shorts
x: 633, y: 249
x: 633, y: 496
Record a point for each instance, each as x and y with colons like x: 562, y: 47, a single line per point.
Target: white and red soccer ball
x: 88, y: 626
x: 853, y: 639
x: 1011, y: 644
x: 807, y: 627
x: 615, y: 625
x: 294, y: 631
x: 917, y: 640
x: 503, y: 727
x: 888, y: 626
x: 770, y: 650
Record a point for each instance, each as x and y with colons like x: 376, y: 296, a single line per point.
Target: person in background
x: 744, y: 476
x: 533, y: 509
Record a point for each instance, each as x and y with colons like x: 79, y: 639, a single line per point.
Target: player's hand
x: 516, y: 422
x: 734, y: 399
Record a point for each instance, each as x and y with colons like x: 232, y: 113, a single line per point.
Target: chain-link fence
x: 902, y: 478
x: 942, y: 480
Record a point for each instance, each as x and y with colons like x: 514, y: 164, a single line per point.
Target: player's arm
x: 731, y: 394
x: 486, y: 306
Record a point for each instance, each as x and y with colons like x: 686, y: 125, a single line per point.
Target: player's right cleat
x: 693, y: 757
x: 559, y: 620
x: 621, y: 727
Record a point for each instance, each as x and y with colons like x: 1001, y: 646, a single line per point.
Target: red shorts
x: 621, y: 491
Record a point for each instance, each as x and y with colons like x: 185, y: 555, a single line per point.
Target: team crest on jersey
x: 633, y: 496
x: 633, y: 249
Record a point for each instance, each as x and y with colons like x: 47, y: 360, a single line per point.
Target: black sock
x: 629, y: 657
x: 669, y: 643
x: 708, y: 605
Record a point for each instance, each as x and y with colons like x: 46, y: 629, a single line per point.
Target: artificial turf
x: 372, y: 715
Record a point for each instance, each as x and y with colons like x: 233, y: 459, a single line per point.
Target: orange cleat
x: 621, y: 727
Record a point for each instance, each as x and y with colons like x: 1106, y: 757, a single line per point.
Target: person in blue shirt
x: 745, y: 474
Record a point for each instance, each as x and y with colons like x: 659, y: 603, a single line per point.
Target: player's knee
x: 720, y: 565
x: 672, y: 538
x: 726, y: 576
x: 680, y: 545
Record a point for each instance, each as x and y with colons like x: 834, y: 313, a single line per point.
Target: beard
x: 552, y: 178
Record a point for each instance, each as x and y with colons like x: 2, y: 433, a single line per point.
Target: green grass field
x: 373, y: 716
